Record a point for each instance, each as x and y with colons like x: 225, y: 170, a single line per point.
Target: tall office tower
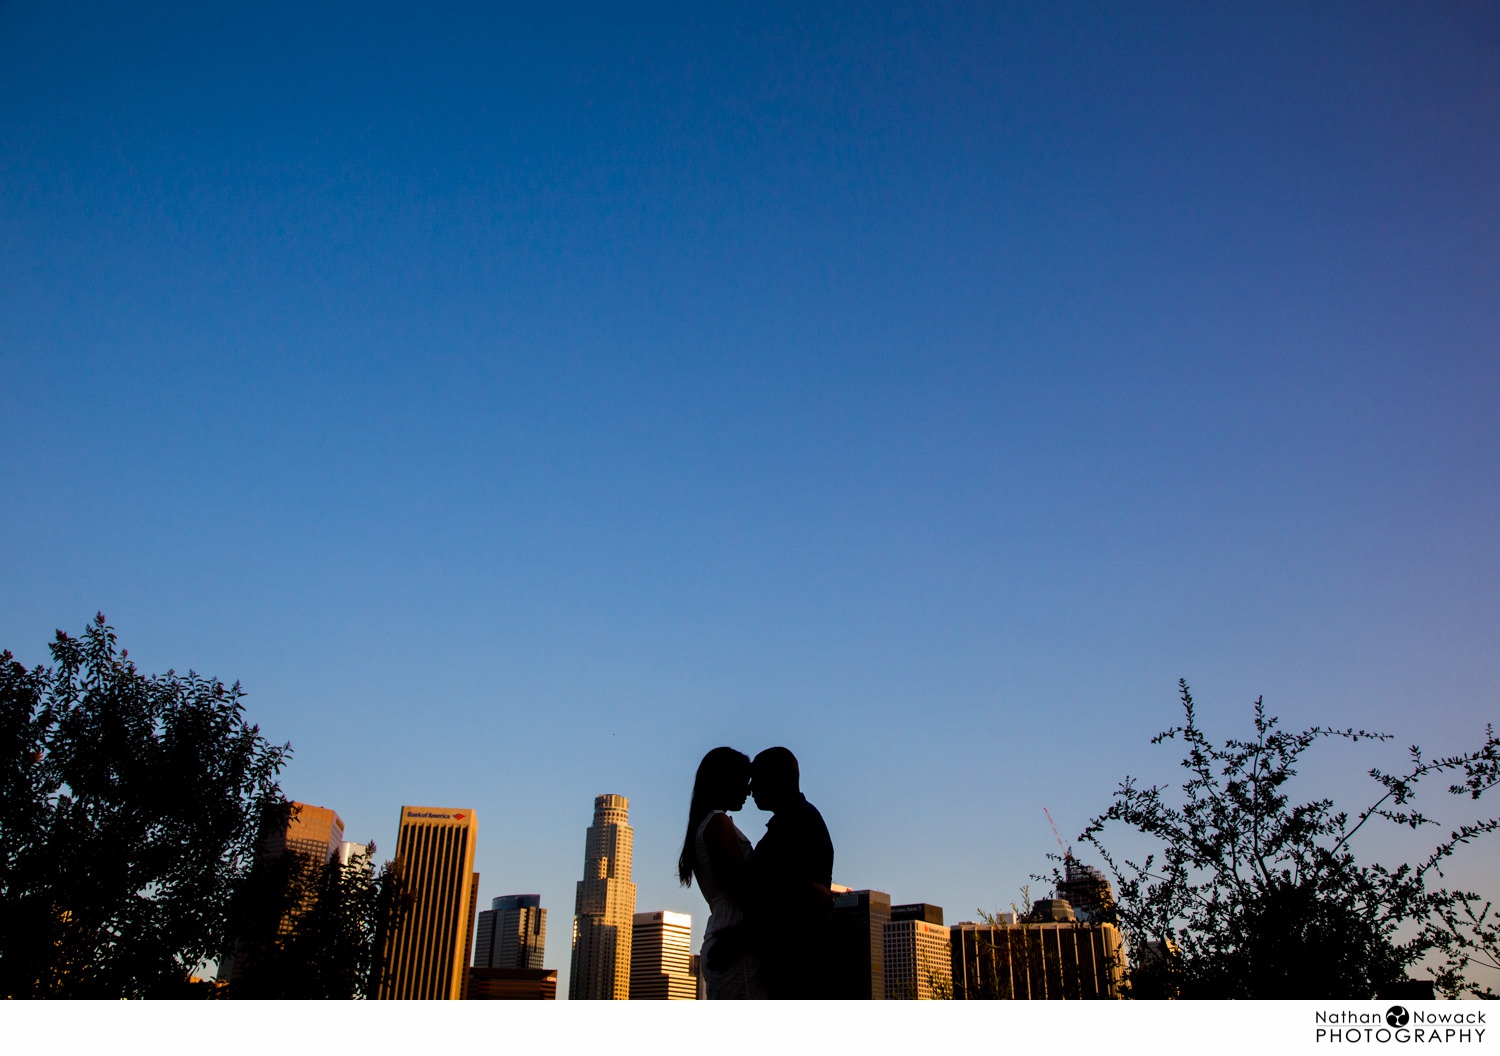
x: 1047, y: 956
x: 427, y: 953
x: 918, y: 955
x: 918, y: 911
x: 605, y: 906
x: 661, y: 957
x: 512, y: 933
x: 858, y: 967
x: 315, y: 833
x: 349, y: 851
x: 484, y: 938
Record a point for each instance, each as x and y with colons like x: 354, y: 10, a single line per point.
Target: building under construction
x: 1087, y: 891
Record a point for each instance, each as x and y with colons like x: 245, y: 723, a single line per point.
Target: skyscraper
x: 512, y: 933
x: 918, y: 956
x: 859, y: 944
x: 314, y: 831
x: 427, y: 953
x: 316, y: 834
x: 605, y: 906
x: 484, y: 938
x: 661, y: 956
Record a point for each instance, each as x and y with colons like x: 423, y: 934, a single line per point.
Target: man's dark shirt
x: 792, y: 872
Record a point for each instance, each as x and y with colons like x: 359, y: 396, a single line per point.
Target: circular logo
x: 1397, y: 1016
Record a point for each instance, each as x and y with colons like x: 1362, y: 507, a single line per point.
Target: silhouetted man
x: 791, y: 876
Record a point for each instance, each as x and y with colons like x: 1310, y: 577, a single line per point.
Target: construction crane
x: 1067, y: 854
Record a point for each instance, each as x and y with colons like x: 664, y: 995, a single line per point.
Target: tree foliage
x: 315, y: 930
x: 129, y: 812
x: 1261, y: 897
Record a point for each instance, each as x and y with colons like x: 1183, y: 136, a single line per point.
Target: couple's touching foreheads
x: 770, y: 906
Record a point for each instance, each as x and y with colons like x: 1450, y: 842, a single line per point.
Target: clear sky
x: 522, y: 401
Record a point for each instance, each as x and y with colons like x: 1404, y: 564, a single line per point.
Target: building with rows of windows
x: 918, y: 955
x: 661, y: 957
x: 604, y: 911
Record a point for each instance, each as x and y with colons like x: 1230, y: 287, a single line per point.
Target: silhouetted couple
x: 771, y: 907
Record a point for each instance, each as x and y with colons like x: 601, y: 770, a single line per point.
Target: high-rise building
x: 605, y: 907
x: 661, y: 957
x: 918, y: 911
x: 918, y: 958
x: 349, y: 851
x: 317, y: 835
x: 484, y: 938
x: 1050, y: 955
x: 512, y: 933
x: 427, y: 954
x: 858, y: 968
x: 316, y: 832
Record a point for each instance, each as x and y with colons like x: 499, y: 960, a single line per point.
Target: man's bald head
x: 774, y: 778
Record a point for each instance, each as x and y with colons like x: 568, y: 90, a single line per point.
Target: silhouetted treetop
x: 1256, y: 895
x: 129, y: 815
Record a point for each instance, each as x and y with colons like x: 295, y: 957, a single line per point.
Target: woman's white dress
x: 739, y: 980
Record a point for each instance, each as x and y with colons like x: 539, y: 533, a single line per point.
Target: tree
x: 339, y: 944
x: 1255, y: 897
x: 129, y: 812
x: 1466, y: 935
x: 315, y: 929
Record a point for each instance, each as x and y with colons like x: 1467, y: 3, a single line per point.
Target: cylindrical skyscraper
x: 512, y: 933
x: 604, y: 908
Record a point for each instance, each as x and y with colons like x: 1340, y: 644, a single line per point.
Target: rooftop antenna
x: 1067, y: 854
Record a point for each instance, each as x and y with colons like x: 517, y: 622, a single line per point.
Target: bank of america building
x: 427, y: 954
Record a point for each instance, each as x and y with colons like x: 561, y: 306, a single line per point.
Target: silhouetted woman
x: 718, y: 854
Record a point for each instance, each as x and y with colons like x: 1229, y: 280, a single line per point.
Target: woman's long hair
x: 721, y: 779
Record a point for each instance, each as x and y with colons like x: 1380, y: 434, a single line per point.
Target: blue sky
x: 521, y: 402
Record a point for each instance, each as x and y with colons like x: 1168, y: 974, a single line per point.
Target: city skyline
x: 883, y: 951
x: 521, y: 403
